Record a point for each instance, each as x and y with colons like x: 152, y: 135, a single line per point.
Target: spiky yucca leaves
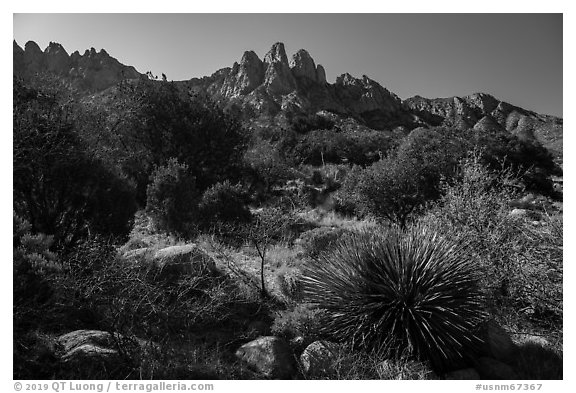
x: 412, y: 292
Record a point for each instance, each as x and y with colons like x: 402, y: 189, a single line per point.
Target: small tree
x: 172, y: 198
x: 400, y: 184
x: 267, y: 227
x: 224, y: 203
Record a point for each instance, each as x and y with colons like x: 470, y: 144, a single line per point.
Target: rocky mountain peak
x: 485, y: 102
x: 302, y: 65
x: 56, y: 58
x: 320, y: 74
x: 243, y: 77
x: 54, y: 48
x: 16, y: 47
x: 32, y: 48
x: 277, y: 54
x: 278, y: 78
x: 91, y: 71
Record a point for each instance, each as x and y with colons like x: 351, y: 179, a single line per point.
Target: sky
x: 515, y: 57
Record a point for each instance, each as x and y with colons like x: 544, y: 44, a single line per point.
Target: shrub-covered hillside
x: 157, y: 234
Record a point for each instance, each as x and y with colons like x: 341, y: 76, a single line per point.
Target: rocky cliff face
x: 92, y: 71
x: 486, y: 113
x: 275, y: 84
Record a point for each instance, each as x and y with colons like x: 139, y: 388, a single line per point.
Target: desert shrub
x: 347, y: 200
x: 172, y: 198
x: 59, y: 186
x: 103, y: 291
x: 413, y: 292
x: 302, y: 320
x: 536, y: 361
x: 268, y: 168
x: 33, y: 267
x: 521, y: 263
x: 303, y: 124
x: 154, y: 121
x: 527, y: 157
x: 288, y: 282
x: 350, y: 363
x: 400, y: 185
x: 323, y: 146
x: 320, y: 239
x: 224, y: 203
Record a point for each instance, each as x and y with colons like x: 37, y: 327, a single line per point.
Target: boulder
x: 518, y: 213
x: 531, y: 339
x: 490, y: 368
x: 98, y: 343
x: 188, y: 259
x: 269, y: 356
x: 136, y: 254
x: 319, y: 358
x: 81, y: 344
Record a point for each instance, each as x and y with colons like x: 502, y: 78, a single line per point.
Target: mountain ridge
x: 277, y: 85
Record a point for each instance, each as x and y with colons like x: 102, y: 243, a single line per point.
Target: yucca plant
x: 406, y: 291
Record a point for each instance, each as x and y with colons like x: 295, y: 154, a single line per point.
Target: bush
x: 59, y: 187
x: 224, y: 203
x: 347, y: 199
x: 172, y: 199
x: 302, y: 320
x: 320, y: 239
x: 33, y: 267
x: 413, y: 292
x: 158, y: 120
x: 521, y: 263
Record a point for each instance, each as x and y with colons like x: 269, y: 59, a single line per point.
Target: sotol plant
x: 410, y: 292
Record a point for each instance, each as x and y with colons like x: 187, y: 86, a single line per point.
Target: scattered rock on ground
x: 529, y: 338
x: 270, y: 356
x: 518, y: 213
x: 184, y: 260
x: 318, y: 358
x: 136, y: 254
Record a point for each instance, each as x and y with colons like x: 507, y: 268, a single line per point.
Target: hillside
x: 262, y: 223
x: 277, y: 87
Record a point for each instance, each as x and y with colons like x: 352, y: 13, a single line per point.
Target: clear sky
x: 515, y: 57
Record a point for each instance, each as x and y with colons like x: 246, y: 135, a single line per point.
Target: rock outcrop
x: 302, y: 65
x: 278, y: 78
x: 270, y: 356
x: 365, y: 95
x: 276, y: 86
x: 92, y: 71
x: 485, y: 113
x: 178, y: 261
x: 57, y: 59
x: 243, y: 78
x: 319, y: 359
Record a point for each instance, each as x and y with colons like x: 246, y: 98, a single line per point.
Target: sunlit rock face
x: 92, y: 71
